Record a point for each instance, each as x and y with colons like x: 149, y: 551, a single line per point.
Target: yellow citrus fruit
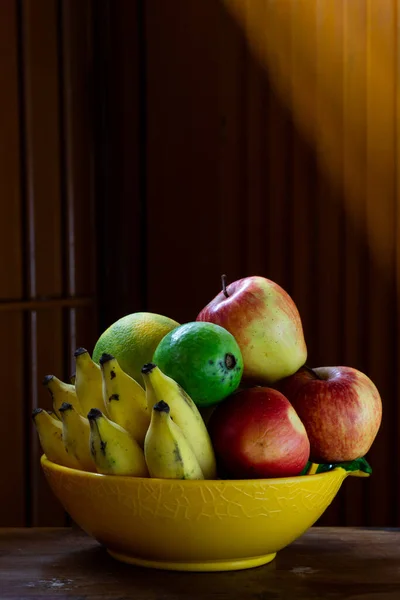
x: 133, y: 340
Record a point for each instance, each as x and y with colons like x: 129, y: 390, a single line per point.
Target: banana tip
x: 105, y: 358
x: 36, y: 411
x: 79, y: 352
x: 147, y: 368
x: 161, y: 406
x: 94, y: 413
x: 47, y: 379
x: 64, y: 407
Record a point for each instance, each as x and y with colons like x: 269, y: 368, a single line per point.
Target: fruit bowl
x: 208, y: 525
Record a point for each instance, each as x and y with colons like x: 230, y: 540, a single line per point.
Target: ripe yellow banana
x: 76, y: 434
x: 53, y: 415
x: 185, y: 413
x: 151, y: 398
x: 167, y: 452
x: 88, y: 382
x: 61, y: 392
x: 50, y: 436
x: 125, y: 399
x: 114, y: 451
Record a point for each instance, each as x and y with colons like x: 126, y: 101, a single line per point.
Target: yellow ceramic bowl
x: 193, y: 525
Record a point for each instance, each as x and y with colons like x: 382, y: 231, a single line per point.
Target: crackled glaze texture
x: 189, y: 521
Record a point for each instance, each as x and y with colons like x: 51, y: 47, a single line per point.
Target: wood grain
x: 12, y: 424
x: 10, y: 188
x: 67, y: 564
x: 77, y: 96
x: 44, y: 229
x: 11, y: 274
x: 190, y: 155
x: 355, y: 340
x: 37, y: 277
x: 380, y: 210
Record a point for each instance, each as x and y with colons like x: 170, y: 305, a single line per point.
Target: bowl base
x: 212, y: 565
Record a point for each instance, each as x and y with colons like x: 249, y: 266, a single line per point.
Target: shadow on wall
x: 335, y: 71
x: 270, y: 149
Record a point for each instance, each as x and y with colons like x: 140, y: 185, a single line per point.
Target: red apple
x: 266, y: 324
x: 341, y: 410
x: 257, y: 433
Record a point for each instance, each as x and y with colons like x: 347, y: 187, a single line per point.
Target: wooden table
x: 326, y: 563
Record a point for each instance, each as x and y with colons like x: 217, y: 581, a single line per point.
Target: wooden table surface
x: 326, y: 563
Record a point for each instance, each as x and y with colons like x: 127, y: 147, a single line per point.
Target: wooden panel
x: 40, y: 48
x: 120, y: 171
x: 12, y: 444
x: 397, y: 257
x: 12, y: 423
x: 43, y: 191
x: 278, y: 162
x: 82, y: 332
x: 78, y: 172
x: 355, y: 265
x: 10, y: 223
x: 47, y: 236
x: 380, y: 239
x: 76, y: 101
x: 187, y: 138
x: 304, y: 185
x: 256, y: 105
x: 230, y: 71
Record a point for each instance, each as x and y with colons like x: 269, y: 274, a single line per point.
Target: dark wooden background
x: 147, y: 146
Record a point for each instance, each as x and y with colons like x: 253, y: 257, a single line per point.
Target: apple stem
x: 223, y: 279
x: 310, y: 370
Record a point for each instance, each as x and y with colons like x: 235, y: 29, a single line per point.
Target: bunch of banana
x: 185, y: 415
x: 106, y: 422
x: 72, y: 440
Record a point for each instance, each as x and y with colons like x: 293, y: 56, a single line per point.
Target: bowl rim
x: 187, y: 482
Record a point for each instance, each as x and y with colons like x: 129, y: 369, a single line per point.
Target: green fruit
x: 204, y: 359
x: 132, y: 340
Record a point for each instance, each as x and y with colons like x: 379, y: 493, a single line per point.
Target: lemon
x: 133, y: 340
x: 204, y: 358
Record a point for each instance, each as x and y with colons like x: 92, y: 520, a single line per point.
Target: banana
x: 72, y: 378
x: 53, y: 415
x: 184, y: 413
x: 151, y: 398
x: 88, y: 382
x: 114, y: 451
x: 125, y: 399
x: 61, y: 392
x: 49, y: 430
x: 76, y: 434
x: 167, y: 452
